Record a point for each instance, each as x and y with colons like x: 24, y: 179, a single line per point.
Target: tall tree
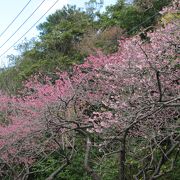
x: 61, y: 31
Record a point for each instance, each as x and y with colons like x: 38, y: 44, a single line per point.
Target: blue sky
x: 9, y: 10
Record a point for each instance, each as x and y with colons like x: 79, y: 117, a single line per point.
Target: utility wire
x: 23, y: 23
x: 134, y: 28
x: 30, y: 28
x: 15, y: 18
x: 143, y: 22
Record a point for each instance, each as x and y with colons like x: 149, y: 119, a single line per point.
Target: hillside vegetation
x: 71, y: 34
x: 95, y: 97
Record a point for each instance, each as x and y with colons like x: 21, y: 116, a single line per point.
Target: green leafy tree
x: 133, y: 16
x: 93, y: 7
x: 62, y: 30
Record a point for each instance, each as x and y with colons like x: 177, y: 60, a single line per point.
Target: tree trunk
x: 89, y: 170
x: 122, y: 158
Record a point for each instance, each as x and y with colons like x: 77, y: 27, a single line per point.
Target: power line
x: 137, y: 26
x: 15, y: 18
x: 143, y: 22
x: 23, y: 23
x: 30, y: 28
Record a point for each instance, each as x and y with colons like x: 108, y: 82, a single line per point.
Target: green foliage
x: 61, y: 31
x: 107, y: 40
x: 74, y: 171
x: 3, y: 119
x: 169, y: 17
x: 174, y: 174
x: 131, y: 16
x: 108, y: 168
x: 44, y: 168
x: 9, y: 81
